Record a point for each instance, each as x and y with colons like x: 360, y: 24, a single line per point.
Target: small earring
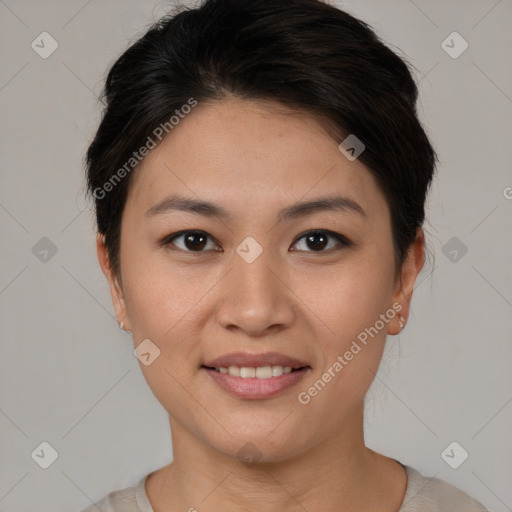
x: 401, y: 322
x: 121, y: 326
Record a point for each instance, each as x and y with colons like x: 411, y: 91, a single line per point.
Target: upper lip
x: 254, y: 360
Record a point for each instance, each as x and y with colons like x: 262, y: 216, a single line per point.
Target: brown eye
x: 192, y: 240
x: 317, y: 240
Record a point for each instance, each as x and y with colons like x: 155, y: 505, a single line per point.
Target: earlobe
x: 116, y: 290
x: 411, y: 267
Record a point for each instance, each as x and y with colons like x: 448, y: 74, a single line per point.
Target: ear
x: 411, y: 267
x: 116, y: 290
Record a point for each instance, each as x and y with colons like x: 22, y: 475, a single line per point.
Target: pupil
x: 317, y: 235
x: 195, y: 241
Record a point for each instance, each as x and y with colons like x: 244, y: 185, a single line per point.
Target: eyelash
x: 342, y: 240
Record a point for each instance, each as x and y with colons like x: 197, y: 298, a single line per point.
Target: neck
x: 339, y: 474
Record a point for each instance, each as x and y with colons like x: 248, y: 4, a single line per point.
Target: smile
x: 256, y: 382
x: 260, y: 372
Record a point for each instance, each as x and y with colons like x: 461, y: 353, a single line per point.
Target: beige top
x: 422, y: 495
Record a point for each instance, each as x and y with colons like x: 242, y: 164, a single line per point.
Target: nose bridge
x: 255, y: 298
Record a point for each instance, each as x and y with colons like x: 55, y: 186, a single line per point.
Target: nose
x: 255, y: 298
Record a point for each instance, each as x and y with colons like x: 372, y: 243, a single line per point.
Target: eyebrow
x: 294, y: 211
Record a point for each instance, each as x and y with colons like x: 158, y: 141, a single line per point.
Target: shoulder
x: 129, y: 499
x: 428, y: 494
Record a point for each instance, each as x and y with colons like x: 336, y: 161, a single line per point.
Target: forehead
x: 251, y: 155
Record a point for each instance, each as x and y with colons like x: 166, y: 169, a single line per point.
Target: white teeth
x: 247, y: 372
x: 234, y: 371
x: 264, y: 372
x: 261, y: 372
x: 277, y: 371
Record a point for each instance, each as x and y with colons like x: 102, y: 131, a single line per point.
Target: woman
x: 259, y: 177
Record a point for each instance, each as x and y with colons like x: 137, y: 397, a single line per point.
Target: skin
x: 254, y: 158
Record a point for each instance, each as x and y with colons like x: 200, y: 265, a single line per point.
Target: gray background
x: 68, y: 374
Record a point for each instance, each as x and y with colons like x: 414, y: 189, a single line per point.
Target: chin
x: 260, y: 447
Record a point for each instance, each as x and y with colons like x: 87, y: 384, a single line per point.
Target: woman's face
x: 256, y: 280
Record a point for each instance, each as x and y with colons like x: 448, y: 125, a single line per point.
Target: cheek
x: 163, y: 307
x: 349, y: 298
x: 352, y: 346
x: 169, y: 305
x: 351, y: 333
x: 337, y: 392
x: 159, y: 295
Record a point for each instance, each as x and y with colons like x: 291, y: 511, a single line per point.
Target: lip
x: 255, y: 360
x: 253, y: 387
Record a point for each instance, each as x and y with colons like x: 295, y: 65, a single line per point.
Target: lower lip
x: 253, y: 387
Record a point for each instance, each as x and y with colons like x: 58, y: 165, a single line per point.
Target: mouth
x: 258, y: 372
x: 256, y: 376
